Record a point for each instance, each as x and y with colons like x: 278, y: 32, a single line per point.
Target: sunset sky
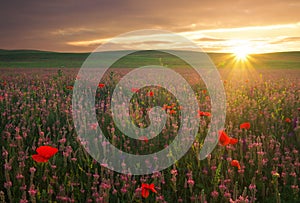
x: 217, y: 26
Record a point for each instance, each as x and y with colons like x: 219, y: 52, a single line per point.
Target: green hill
x: 46, y: 59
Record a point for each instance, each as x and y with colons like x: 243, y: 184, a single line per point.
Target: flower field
x: 256, y: 159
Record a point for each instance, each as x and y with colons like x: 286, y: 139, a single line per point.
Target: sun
x: 241, y: 53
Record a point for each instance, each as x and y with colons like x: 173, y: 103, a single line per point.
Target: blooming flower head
x: 69, y: 87
x: 101, y: 85
x: 146, y: 188
x: 236, y: 163
x: 172, y: 111
x: 150, y: 94
x: 288, y: 120
x: 224, y: 139
x: 245, y: 126
x: 44, y: 153
x: 144, y: 138
x: 134, y: 89
x: 202, y: 113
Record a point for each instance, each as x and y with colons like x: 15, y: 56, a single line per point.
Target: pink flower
x: 214, y: 194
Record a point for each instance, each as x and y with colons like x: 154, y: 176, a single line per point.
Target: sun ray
x: 241, y: 52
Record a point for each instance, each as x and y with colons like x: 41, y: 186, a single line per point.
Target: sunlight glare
x: 241, y: 53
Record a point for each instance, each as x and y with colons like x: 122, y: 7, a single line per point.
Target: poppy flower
x: 69, y: 87
x: 245, y: 126
x: 233, y: 141
x: 150, y: 94
x: 101, y: 85
x: 224, y: 139
x: 146, y: 188
x: 288, y: 120
x: 235, y: 163
x: 134, y: 89
x: 44, y: 153
x: 202, y: 113
x: 144, y: 138
x: 172, y: 111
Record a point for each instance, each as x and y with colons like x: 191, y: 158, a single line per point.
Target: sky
x: 216, y: 26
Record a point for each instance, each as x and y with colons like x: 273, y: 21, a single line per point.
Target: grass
x: 43, y: 59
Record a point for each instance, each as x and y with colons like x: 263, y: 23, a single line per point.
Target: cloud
x: 56, y: 24
x: 285, y: 39
x: 210, y: 39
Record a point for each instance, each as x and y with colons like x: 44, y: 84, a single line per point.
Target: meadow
x: 262, y: 115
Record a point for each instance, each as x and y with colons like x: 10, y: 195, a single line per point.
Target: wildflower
x: 224, y: 139
x: 236, y: 163
x: 94, y: 126
x: 146, y: 188
x: 202, y: 113
x: 134, y: 89
x: 288, y: 120
x: 144, y: 138
x: 252, y: 186
x: 32, y: 191
x: 150, y: 94
x: 69, y: 87
x: 245, y: 126
x: 214, y: 194
x: 44, y: 153
x: 172, y: 111
x: 101, y: 85
x: 275, y: 174
x: 32, y: 169
x: 190, y: 182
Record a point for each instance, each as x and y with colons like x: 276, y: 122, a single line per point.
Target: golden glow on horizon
x: 263, y: 39
x: 241, y: 53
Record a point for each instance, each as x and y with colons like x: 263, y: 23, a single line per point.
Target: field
x: 35, y: 105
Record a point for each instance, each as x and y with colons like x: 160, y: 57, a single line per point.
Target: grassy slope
x: 36, y: 59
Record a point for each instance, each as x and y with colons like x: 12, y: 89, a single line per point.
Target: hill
x: 46, y: 59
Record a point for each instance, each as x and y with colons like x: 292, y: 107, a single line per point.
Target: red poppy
x: 146, y: 188
x: 134, y: 89
x: 233, y: 141
x: 236, y: 163
x: 224, y: 139
x: 69, y: 87
x: 245, y: 126
x: 288, y: 120
x: 144, y: 138
x: 202, y: 113
x: 101, y: 85
x: 151, y: 94
x: 44, y: 153
x: 172, y: 111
